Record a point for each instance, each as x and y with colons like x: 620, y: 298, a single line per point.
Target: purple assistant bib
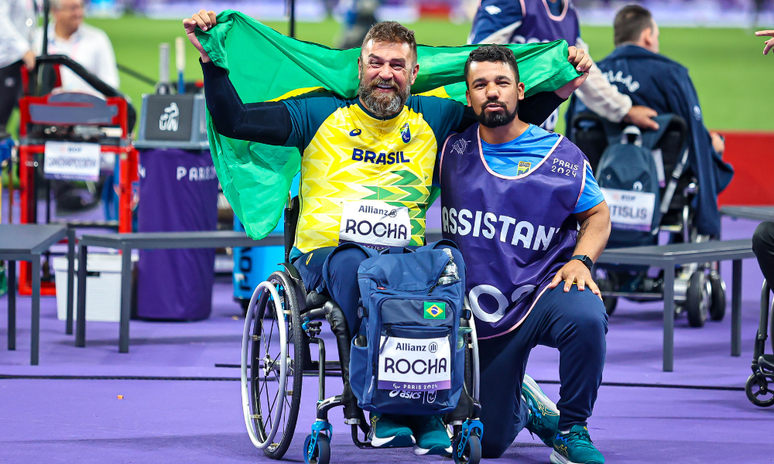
x: 515, y: 233
x: 539, y: 25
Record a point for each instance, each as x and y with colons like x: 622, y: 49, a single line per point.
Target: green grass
x: 732, y: 77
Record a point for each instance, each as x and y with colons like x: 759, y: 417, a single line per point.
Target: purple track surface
x: 178, y: 406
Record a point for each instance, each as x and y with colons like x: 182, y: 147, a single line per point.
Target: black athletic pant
x: 763, y: 247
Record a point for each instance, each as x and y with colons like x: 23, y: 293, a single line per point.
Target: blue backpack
x: 629, y: 179
x: 405, y: 358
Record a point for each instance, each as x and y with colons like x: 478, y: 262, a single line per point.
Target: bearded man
x: 382, y: 144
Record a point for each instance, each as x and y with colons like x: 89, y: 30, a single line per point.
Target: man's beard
x: 383, y: 105
x: 493, y: 120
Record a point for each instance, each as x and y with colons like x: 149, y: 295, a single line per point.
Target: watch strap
x: 584, y: 259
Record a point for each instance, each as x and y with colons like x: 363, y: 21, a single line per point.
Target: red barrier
x: 750, y: 154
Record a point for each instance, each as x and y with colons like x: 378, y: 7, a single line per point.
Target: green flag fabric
x: 265, y: 65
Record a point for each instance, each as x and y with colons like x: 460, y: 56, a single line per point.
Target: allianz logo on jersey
x: 393, y: 212
x: 368, y: 156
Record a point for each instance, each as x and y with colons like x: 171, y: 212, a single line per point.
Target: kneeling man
x: 513, y: 196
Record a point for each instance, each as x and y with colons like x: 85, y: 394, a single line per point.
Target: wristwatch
x: 584, y: 259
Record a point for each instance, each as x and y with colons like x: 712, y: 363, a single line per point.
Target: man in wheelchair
x: 653, y: 80
x: 383, y: 141
x: 512, y: 198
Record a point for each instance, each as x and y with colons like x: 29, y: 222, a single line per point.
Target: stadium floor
x: 176, y: 404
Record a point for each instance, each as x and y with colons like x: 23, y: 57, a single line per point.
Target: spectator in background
x: 87, y: 45
x: 769, y: 43
x: 17, y: 30
x: 535, y: 21
x: 648, y: 78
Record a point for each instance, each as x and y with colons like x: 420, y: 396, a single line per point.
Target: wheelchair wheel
x: 758, y: 391
x: 321, y: 454
x: 717, y: 310
x: 472, y: 452
x: 697, y: 299
x: 272, y: 365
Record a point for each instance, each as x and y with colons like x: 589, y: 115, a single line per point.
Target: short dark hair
x: 629, y: 23
x: 392, y: 32
x: 492, y: 54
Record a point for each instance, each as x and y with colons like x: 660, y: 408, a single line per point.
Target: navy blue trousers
x: 574, y: 322
x: 337, y: 277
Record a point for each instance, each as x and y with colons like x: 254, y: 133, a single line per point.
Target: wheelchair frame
x: 760, y: 385
x: 282, y: 304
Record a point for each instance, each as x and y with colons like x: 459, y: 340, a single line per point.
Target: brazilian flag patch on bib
x: 435, y: 310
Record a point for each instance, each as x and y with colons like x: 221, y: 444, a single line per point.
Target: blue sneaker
x: 432, y: 435
x: 388, y: 431
x: 575, y: 447
x: 543, y: 414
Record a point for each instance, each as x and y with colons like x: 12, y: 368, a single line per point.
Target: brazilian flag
x: 265, y: 65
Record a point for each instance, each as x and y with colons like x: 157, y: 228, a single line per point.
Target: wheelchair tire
x: 472, y: 452
x: 697, y: 299
x: 272, y: 352
x: 321, y: 454
x: 757, y: 386
x: 717, y: 310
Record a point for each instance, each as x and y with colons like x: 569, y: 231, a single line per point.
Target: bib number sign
x: 375, y: 223
x: 630, y: 210
x: 75, y: 161
x: 412, y: 364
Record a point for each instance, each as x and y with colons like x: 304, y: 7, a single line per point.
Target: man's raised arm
x: 268, y: 123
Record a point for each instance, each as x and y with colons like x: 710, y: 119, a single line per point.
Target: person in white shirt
x: 87, y: 45
x: 17, y: 29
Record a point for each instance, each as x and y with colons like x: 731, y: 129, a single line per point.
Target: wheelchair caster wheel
x: 320, y: 453
x: 697, y: 299
x: 758, y: 391
x: 471, y: 454
x: 718, y: 296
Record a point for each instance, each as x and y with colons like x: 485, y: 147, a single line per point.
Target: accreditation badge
x: 375, y: 223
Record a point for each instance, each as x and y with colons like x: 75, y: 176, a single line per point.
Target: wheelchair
x: 699, y: 290
x: 283, y: 319
x: 760, y: 385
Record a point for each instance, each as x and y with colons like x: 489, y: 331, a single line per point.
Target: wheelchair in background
x: 283, y: 319
x: 699, y: 289
x: 760, y: 385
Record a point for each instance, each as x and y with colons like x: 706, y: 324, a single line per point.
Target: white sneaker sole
x: 436, y: 450
x: 557, y: 458
x: 533, y: 386
x: 398, y: 441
